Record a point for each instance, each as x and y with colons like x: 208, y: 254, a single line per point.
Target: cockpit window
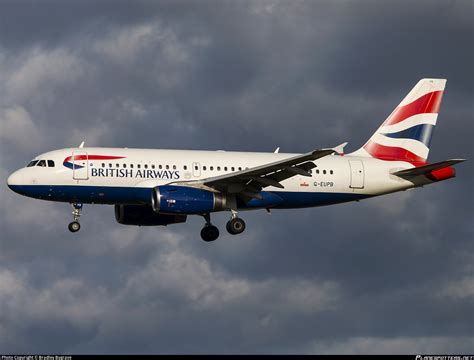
x: 32, y: 163
x: 42, y: 163
x: 50, y: 163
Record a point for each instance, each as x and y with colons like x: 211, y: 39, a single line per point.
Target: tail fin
x: 406, y: 134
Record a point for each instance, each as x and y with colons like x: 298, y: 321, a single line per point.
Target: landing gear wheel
x: 74, y: 226
x: 235, y: 226
x: 76, y: 214
x: 209, y: 233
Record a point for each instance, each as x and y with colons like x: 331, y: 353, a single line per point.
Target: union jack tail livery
x: 406, y: 134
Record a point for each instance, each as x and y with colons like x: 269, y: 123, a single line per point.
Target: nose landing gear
x: 74, y: 226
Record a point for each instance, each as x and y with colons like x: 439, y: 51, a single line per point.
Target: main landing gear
x: 74, y: 226
x: 209, y: 232
x: 234, y: 226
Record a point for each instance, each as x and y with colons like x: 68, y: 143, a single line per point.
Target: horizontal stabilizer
x: 427, y: 169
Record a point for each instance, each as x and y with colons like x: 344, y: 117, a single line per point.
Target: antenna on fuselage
x: 82, y: 144
x: 277, y: 150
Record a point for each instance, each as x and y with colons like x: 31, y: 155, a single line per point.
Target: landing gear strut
x: 209, y: 232
x: 235, y: 225
x: 74, y: 226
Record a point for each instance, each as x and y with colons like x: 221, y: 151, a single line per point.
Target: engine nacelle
x: 143, y: 215
x: 173, y: 199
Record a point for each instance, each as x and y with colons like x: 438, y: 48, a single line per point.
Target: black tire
x: 235, y: 226
x: 74, y: 226
x: 209, y: 233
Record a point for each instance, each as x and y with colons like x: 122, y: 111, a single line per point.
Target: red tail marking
x: 442, y: 174
x: 428, y: 103
x: 391, y: 153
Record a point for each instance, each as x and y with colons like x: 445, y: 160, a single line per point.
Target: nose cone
x: 15, y: 180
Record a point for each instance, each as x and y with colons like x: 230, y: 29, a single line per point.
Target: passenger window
x: 331, y: 172
x: 103, y: 165
x: 167, y: 167
x: 196, y: 167
x: 146, y: 166
x: 124, y: 165
x: 110, y: 164
x: 324, y: 172
x: 32, y: 163
x: 317, y: 171
x: 50, y: 163
x: 204, y: 168
x: 174, y: 167
x: 218, y: 168
x: 185, y: 167
x: 153, y: 166
x: 131, y: 166
x: 42, y: 163
x: 232, y: 168
x: 240, y: 169
x: 138, y: 166
x: 160, y: 166
x: 225, y: 168
x: 117, y: 165
x: 212, y: 168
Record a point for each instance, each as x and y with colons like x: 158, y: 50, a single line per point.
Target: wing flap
x: 270, y: 174
x: 249, y: 182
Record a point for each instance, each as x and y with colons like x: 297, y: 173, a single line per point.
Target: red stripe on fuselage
x: 391, y: 153
x: 428, y: 103
x: 92, y: 157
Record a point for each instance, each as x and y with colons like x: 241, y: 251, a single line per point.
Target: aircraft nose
x: 15, y: 180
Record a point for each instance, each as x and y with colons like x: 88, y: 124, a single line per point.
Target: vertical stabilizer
x: 406, y: 134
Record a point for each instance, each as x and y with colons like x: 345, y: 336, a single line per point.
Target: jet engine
x: 172, y: 199
x: 143, y: 215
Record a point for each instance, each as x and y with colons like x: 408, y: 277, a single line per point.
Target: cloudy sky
x: 392, y: 274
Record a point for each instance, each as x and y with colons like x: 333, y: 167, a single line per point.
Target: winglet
x: 340, y: 148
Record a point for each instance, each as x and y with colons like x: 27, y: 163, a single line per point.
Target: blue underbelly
x: 86, y: 194
x: 308, y: 199
x: 132, y: 195
x: 288, y: 199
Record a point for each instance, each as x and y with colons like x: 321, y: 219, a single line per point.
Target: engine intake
x: 143, y: 215
x: 172, y: 199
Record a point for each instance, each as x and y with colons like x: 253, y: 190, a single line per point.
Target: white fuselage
x: 122, y: 175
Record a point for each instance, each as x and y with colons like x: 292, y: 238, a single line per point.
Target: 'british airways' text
x: 129, y: 173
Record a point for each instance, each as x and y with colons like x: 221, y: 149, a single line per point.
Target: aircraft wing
x: 249, y: 182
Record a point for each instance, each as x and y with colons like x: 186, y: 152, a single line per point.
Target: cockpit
x: 41, y: 163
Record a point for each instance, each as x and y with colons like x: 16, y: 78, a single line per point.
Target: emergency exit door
x: 196, y: 169
x: 357, y: 174
x: 80, y: 165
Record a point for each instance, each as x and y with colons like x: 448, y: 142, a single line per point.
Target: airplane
x: 150, y: 187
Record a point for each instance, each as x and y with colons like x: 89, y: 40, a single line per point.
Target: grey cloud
x: 389, y: 274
